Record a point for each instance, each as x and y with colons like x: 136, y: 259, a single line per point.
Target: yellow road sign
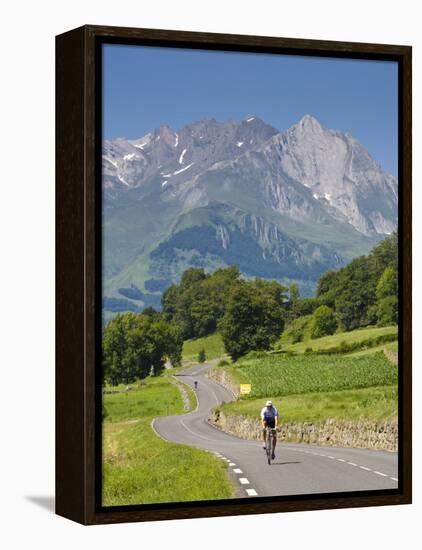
x: 245, y: 388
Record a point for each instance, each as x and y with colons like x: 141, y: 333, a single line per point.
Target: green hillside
x: 212, y: 345
x: 327, y: 342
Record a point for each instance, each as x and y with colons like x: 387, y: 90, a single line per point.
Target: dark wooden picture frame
x: 78, y: 254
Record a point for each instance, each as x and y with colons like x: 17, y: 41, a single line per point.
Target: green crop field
x: 212, y: 344
x: 336, y: 339
x: 138, y: 466
x: 280, y: 375
x: 377, y: 403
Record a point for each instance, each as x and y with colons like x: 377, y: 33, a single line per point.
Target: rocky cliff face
x: 279, y: 204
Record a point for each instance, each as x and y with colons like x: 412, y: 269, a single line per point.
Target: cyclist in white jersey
x: 269, y: 419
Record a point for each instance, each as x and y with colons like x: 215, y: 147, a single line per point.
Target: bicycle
x: 269, y: 442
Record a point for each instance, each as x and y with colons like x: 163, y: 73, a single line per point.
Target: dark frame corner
x: 77, y: 254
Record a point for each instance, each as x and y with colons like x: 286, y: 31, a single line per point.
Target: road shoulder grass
x: 139, y: 467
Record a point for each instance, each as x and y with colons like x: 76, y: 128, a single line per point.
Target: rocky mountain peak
x: 287, y: 205
x: 309, y: 123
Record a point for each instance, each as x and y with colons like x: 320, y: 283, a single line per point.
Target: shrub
x: 202, y: 356
x: 323, y: 322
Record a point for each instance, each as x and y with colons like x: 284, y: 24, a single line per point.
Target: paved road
x: 297, y: 469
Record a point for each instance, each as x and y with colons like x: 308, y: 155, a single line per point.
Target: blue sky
x: 144, y: 87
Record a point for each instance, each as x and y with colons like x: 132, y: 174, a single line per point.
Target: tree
x: 293, y: 293
x: 352, y: 290
x: 387, y: 284
x: 116, y: 366
x: 151, y: 312
x: 355, y: 294
x: 323, y: 322
x: 387, y: 297
x: 326, y: 282
x: 134, y: 345
x: 274, y: 290
x: 202, y: 356
x: 197, y: 304
x: 387, y: 311
x: 253, y: 320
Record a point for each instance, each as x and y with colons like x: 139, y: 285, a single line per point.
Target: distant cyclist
x: 196, y: 385
x: 269, y: 418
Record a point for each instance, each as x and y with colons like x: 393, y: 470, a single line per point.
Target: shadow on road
x: 284, y: 463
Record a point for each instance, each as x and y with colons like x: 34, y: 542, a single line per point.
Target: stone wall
x: 220, y: 376
x: 341, y: 433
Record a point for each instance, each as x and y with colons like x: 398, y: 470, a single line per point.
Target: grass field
x: 280, y: 375
x: 138, y: 466
x: 378, y: 403
x: 336, y: 339
x: 212, y: 344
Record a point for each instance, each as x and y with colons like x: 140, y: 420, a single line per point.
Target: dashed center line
x: 251, y: 492
x: 347, y: 462
x: 237, y: 471
x: 244, y: 480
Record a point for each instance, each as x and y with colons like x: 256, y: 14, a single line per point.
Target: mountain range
x: 281, y: 205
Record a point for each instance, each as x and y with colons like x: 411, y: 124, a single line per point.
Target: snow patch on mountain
x: 182, y: 169
x: 182, y: 155
x: 113, y: 162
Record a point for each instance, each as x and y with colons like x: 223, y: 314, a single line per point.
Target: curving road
x: 297, y: 469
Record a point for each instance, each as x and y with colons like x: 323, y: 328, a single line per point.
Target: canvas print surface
x: 250, y: 296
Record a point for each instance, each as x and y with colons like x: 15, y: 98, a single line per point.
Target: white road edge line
x: 352, y: 464
x: 251, y: 492
x: 232, y: 463
x: 380, y: 474
x: 243, y: 481
x: 365, y: 468
x: 156, y: 433
x: 237, y: 471
x: 394, y: 478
